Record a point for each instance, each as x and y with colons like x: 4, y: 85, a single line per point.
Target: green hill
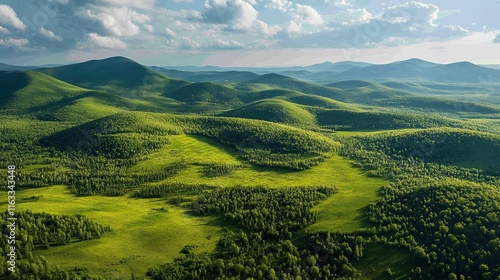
x: 274, y: 110
x: 350, y: 84
x: 205, y: 92
x: 377, y: 120
x: 262, y: 143
x: 268, y: 81
x: 443, y: 145
x: 116, y: 74
x: 30, y: 91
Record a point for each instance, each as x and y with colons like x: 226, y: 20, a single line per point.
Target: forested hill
x: 333, y: 171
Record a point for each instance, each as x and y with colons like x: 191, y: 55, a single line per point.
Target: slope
x: 117, y: 74
x: 261, y: 143
x: 205, y: 92
x: 30, y: 91
x: 274, y: 110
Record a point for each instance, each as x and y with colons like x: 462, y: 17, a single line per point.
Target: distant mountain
x: 8, y: 67
x: 321, y: 67
x: 118, y: 74
x: 207, y: 76
x: 492, y: 66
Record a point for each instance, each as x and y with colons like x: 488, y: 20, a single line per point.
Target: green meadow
x: 141, y: 236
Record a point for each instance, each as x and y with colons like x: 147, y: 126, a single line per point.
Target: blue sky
x: 248, y: 32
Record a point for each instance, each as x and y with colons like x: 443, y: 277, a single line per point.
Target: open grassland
x: 341, y: 212
x: 141, y: 237
x: 190, y: 149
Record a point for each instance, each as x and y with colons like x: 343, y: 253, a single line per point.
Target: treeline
x: 262, y: 143
x: 447, y: 216
x: 451, y: 226
x: 265, y: 249
x: 35, y: 231
x: 250, y: 256
x: 441, y: 145
x: 340, y: 119
x: 276, y: 213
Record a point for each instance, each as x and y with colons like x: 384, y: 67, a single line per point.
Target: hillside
x: 31, y: 91
x: 205, y: 92
x: 261, y: 143
x: 274, y: 110
x: 116, y: 74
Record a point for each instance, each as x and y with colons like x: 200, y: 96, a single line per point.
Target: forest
x: 264, y: 177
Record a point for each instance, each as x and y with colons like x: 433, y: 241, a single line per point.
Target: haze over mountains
x: 408, y: 70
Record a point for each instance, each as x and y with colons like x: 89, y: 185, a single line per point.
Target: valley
x: 293, y: 173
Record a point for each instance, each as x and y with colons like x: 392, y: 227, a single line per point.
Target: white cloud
x: 170, y: 33
x: 282, y: 5
x: 49, y: 35
x: 186, y: 26
x: 118, y: 21
x: 221, y: 44
x: 9, y: 17
x: 11, y: 42
x: 149, y: 28
x: 103, y: 42
x: 307, y: 14
x: 4, y: 30
x: 340, y: 3
x: 236, y: 15
x: 294, y: 28
x: 416, y: 14
x: 142, y: 4
x: 352, y: 16
x: 189, y: 44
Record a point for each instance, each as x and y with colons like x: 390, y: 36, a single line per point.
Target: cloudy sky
x: 248, y: 32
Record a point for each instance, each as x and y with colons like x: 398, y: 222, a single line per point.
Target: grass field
x: 341, y: 212
x: 141, y: 237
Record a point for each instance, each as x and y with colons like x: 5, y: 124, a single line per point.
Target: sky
x: 248, y: 32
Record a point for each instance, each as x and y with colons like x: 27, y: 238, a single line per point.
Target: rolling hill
x: 205, y: 92
x: 116, y: 74
x: 31, y: 91
x: 274, y: 110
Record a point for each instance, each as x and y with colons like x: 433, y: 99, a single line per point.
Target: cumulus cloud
x: 415, y: 14
x: 235, y: 15
x: 117, y: 21
x: 352, y: 17
x: 11, y: 42
x: 4, y: 30
x: 222, y: 44
x: 149, y: 28
x: 49, y: 35
x: 282, y: 5
x: 170, y: 33
x: 142, y: 4
x: 497, y: 39
x: 340, y: 3
x: 294, y: 28
x: 407, y: 23
x: 307, y: 14
x: 96, y: 41
x: 9, y: 17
